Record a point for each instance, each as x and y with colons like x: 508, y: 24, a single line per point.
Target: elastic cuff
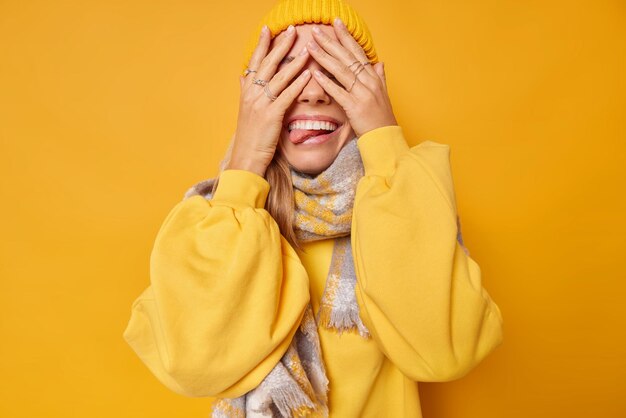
x: 241, y: 187
x: 380, y: 149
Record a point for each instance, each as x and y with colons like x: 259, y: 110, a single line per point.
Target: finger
x: 286, y: 74
x: 380, y: 70
x: 341, y: 71
x: 338, y: 93
x: 259, y: 52
x: 268, y: 65
x: 348, y: 42
x: 241, y: 81
x: 287, y: 96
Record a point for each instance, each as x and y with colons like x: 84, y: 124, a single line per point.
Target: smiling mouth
x: 311, y: 131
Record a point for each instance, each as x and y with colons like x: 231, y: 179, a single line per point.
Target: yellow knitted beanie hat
x: 297, y: 12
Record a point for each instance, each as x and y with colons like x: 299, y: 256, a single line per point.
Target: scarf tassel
x: 342, y: 321
x: 294, y: 403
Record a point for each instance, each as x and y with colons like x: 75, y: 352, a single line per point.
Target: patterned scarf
x: 297, y: 385
x: 324, y: 210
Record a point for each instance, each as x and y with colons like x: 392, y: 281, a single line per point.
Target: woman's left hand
x: 367, y: 104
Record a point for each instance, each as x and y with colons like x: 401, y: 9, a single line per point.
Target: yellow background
x: 110, y: 110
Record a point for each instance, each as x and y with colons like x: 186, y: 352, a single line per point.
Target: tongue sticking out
x: 300, y: 135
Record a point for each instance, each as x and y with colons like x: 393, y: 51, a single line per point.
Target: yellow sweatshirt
x: 227, y: 291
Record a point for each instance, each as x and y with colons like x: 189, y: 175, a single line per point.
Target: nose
x: 313, y: 92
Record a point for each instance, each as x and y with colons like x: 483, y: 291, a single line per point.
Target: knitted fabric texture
x: 298, y: 385
x: 298, y: 12
x: 324, y: 210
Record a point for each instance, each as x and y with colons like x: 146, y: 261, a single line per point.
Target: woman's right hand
x: 260, y: 120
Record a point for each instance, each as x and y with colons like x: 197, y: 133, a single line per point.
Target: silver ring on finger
x: 355, y: 62
x: 361, y: 68
x: 355, y: 78
x: 248, y: 71
x: 268, y: 93
x: 367, y: 63
x: 259, y: 82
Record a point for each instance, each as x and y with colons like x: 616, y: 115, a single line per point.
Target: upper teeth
x: 312, y: 124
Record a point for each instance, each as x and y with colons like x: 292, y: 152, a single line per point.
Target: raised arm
x: 419, y: 291
x: 226, y: 296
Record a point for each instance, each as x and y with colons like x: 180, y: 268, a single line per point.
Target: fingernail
x: 305, y: 73
x: 290, y: 29
x: 339, y: 22
x: 304, y: 51
x: 316, y: 29
x: 311, y: 45
x: 263, y: 31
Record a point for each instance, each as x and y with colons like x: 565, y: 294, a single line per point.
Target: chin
x: 312, y: 160
x: 310, y: 166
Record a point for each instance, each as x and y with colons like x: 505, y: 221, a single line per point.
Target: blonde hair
x: 280, y: 199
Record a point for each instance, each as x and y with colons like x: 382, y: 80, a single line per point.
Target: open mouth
x: 311, y: 131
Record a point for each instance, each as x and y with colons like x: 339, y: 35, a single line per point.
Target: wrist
x: 248, y: 164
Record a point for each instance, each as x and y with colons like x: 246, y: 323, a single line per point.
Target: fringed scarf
x: 297, y: 385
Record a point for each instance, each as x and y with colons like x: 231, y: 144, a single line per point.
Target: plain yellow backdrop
x: 110, y: 110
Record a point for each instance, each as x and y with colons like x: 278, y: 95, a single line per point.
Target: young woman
x: 323, y: 272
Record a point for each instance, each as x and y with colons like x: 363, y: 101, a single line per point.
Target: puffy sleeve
x: 226, y: 295
x: 419, y: 292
